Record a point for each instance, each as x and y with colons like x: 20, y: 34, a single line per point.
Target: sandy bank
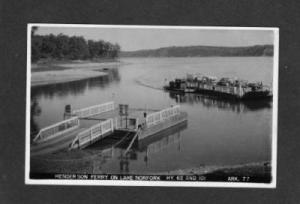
x: 53, y: 77
x: 52, y: 73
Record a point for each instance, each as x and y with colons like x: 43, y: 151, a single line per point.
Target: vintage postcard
x: 152, y: 105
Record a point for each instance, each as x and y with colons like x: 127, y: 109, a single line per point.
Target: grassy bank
x: 53, y: 71
x: 253, y: 172
x: 249, y: 172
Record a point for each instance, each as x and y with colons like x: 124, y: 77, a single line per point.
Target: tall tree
x: 65, y: 47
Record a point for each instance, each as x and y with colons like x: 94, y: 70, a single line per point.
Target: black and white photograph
x: 151, y: 105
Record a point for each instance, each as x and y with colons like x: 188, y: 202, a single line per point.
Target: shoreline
x: 67, y: 71
x: 51, y: 77
x: 250, y: 172
x: 256, y: 171
x: 203, y: 169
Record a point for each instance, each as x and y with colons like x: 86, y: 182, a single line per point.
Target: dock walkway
x: 88, y: 125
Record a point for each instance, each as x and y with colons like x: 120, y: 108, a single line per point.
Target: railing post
x: 101, y: 129
x: 91, y: 135
x: 112, y: 124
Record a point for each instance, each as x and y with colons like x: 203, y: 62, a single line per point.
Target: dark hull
x: 221, y: 102
x: 173, y: 89
x: 248, y: 96
x: 255, y: 95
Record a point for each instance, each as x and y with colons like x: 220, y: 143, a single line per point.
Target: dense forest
x: 202, y: 51
x: 71, y: 48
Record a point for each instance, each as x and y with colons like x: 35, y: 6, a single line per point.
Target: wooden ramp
x: 55, y: 144
x: 62, y: 135
x: 88, y: 125
x: 92, y: 134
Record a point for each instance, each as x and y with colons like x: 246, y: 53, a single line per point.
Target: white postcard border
x: 156, y: 183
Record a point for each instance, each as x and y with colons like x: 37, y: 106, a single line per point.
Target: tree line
x: 72, y: 48
x: 203, y: 51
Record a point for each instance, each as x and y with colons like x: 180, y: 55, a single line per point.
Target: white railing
x: 57, y: 129
x: 94, y: 110
x: 93, y: 133
x: 162, y: 115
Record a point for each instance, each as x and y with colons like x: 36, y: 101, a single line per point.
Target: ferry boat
x: 224, y: 88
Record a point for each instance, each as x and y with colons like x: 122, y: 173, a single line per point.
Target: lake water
x: 217, y: 132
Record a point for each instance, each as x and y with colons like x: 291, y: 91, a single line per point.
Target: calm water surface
x: 217, y: 132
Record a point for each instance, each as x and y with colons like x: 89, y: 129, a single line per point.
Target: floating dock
x: 83, y: 127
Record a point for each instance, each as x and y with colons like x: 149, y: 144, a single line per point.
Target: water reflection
x: 141, y: 149
x: 159, y: 142
x: 223, y: 104
x: 76, y: 87
x: 35, y: 110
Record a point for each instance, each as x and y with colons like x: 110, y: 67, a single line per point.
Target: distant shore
x: 53, y: 71
x: 203, y: 51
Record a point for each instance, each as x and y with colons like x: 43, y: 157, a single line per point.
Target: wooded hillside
x: 202, y: 51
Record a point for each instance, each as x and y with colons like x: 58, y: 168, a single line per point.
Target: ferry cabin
x: 210, y: 84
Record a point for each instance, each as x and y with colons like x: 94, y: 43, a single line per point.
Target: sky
x: 131, y: 39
